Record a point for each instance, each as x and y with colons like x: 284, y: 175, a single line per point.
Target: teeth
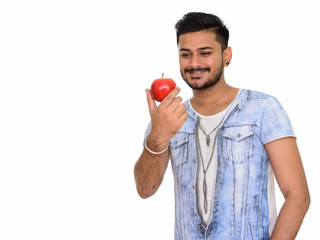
x: 197, y: 72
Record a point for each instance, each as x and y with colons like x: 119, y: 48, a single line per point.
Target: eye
x: 205, y: 53
x: 184, y: 54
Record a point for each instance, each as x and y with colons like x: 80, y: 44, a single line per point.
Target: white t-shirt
x: 208, y: 124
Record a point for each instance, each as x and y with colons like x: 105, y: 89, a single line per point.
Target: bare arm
x: 149, y: 171
x: 166, y: 121
x: 287, y: 165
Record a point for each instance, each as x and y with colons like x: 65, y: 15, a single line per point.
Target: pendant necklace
x: 207, y: 135
x: 205, y: 169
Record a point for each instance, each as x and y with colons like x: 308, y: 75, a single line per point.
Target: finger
x: 175, y: 104
x: 183, y: 118
x: 151, y: 103
x: 180, y: 110
x: 170, y: 97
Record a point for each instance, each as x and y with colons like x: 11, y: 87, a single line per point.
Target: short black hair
x: 199, y: 21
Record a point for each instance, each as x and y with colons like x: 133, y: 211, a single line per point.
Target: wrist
x: 155, y: 145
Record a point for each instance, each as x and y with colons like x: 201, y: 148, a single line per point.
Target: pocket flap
x: 237, y: 133
x: 178, y: 140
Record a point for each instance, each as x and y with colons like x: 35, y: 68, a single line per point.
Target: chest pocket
x: 237, y: 143
x: 179, y: 149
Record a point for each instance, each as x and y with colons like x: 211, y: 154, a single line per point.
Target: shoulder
x: 257, y: 95
x: 257, y: 106
x: 262, y: 99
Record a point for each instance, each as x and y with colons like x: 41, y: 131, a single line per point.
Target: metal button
x: 238, y: 135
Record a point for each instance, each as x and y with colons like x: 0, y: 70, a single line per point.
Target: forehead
x: 196, y: 40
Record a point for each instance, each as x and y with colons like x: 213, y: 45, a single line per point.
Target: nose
x: 195, y: 61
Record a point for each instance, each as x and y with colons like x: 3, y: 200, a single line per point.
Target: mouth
x: 196, y: 73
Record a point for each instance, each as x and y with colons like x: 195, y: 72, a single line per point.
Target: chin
x: 195, y: 84
x: 200, y: 84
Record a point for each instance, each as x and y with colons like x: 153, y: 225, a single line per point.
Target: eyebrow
x: 199, y: 49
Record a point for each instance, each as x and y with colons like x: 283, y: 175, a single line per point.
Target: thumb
x: 151, y: 103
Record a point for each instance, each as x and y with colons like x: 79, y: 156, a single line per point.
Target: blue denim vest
x: 240, y: 207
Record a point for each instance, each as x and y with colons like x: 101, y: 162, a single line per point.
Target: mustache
x: 191, y: 70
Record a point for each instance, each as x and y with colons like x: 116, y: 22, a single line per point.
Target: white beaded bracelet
x: 157, y: 153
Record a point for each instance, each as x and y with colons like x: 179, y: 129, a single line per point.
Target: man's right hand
x: 166, y: 119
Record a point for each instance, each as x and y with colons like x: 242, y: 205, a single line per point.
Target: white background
x: 73, y: 109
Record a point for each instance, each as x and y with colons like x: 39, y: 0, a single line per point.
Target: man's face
x: 201, y: 59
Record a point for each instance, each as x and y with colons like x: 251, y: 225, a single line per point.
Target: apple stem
x: 162, y: 75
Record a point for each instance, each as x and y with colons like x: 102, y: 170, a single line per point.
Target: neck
x: 213, y: 100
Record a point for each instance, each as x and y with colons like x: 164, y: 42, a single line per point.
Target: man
x: 225, y: 145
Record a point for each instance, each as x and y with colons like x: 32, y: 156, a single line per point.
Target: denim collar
x: 189, y: 127
x: 242, y: 98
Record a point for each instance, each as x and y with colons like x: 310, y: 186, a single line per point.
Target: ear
x: 227, y: 56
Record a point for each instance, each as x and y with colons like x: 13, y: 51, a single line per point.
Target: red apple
x: 161, y: 87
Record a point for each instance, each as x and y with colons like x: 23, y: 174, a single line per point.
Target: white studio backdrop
x: 73, y: 109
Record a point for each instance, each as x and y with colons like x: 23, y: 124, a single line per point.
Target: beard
x: 211, y: 80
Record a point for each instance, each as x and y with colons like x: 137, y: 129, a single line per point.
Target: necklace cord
x: 198, y: 148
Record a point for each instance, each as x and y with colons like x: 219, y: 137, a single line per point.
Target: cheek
x: 183, y: 63
x: 214, y: 63
x: 211, y: 61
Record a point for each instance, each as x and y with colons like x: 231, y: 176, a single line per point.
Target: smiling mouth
x: 195, y: 73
